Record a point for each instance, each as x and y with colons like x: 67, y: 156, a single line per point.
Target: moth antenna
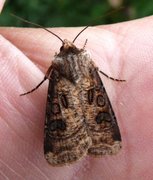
x: 29, y: 22
x: 107, y: 14
x: 80, y: 33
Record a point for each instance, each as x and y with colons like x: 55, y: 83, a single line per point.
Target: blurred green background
x: 51, y: 13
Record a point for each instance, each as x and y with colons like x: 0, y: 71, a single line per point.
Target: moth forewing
x: 79, y: 117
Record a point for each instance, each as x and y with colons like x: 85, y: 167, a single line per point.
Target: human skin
x: 122, y: 51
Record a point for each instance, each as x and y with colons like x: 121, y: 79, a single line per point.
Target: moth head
x: 67, y: 46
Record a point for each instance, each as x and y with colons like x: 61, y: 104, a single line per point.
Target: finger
x: 1, y: 4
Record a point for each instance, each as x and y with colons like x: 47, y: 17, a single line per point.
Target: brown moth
x: 79, y: 117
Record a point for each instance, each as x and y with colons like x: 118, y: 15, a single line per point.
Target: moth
x: 79, y: 117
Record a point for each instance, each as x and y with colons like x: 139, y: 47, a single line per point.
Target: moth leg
x: 47, y: 76
x: 114, y: 79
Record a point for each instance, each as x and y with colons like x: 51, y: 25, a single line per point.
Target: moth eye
x: 61, y: 48
x: 64, y: 101
x: 100, y: 100
x: 58, y: 124
x: 103, y: 116
x: 90, y: 96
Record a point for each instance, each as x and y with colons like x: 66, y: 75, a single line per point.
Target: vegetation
x: 51, y: 13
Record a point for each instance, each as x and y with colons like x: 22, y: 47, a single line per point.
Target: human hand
x: 121, y: 50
